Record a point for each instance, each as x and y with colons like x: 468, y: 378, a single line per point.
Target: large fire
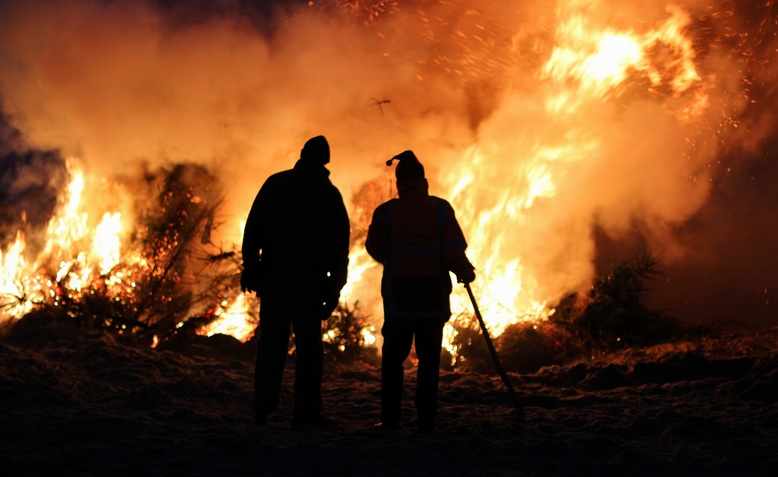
x: 79, y: 253
x: 502, y: 183
x: 587, y: 64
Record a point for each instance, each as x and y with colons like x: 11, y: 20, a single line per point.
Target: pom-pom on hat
x: 409, y: 167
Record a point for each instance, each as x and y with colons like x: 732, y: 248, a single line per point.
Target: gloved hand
x: 467, y: 275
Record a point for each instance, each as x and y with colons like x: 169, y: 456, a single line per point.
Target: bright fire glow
x: 75, y: 252
x: 234, y: 318
x: 13, y: 267
x: 107, y: 245
x: 588, y: 64
x: 368, y: 337
x: 597, y: 61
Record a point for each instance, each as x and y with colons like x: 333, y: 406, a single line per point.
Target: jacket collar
x: 311, y: 170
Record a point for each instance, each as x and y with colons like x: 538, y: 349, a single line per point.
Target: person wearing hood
x: 417, y: 239
x: 295, y: 257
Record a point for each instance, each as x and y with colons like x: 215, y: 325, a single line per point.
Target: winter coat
x: 418, y: 240
x: 296, y: 240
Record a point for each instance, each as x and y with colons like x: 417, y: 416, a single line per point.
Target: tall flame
x: 75, y: 251
x: 587, y: 65
x: 596, y: 61
x: 13, y: 267
x: 107, y: 245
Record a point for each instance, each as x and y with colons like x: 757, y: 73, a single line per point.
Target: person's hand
x: 466, y: 276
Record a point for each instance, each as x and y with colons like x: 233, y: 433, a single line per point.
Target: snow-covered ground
x: 79, y: 402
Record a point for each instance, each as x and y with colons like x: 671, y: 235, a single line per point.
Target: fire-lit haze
x: 537, y: 120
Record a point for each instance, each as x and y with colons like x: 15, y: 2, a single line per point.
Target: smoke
x: 728, y: 275
x: 115, y: 84
x: 30, y: 182
x: 121, y: 84
x: 10, y: 138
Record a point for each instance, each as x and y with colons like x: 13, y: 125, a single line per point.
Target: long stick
x: 506, y: 380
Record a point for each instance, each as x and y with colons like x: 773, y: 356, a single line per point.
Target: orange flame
x: 74, y: 251
x: 235, y: 318
x: 586, y: 66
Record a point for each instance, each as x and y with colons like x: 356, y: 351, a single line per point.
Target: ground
x: 81, y: 402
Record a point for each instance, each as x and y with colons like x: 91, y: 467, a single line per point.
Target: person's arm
x: 377, y: 243
x: 454, y: 246
x: 337, y: 232
x: 342, y: 229
x: 253, y: 242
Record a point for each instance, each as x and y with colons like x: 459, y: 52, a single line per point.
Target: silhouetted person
x: 295, y: 256
x: 418, y: 240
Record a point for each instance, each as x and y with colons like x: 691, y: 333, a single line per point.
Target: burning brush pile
x: 145, y: 268
x: 149, y: 270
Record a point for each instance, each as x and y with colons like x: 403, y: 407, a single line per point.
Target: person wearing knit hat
x: 408, y: 170
x: 417, y: 239
x: 295, y: 256
x: 316, y: 150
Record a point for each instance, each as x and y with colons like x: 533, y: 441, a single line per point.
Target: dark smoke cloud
x: 10, y: 137
x: 729, y: 275
x: 732, y: 273
x: 262, y: 13
x: 30, y: 182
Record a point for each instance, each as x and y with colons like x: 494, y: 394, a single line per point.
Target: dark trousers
x: 274, y: 327
x: 398, y: 336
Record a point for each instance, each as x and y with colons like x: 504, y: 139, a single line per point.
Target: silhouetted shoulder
x: 442, y: 203
x: 280, y: 177
x: 385, y: 207
x: 335, y: 190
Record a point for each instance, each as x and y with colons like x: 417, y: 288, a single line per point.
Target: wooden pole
x: 493, y: 352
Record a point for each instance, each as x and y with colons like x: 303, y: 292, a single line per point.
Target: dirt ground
x: 84, y: 403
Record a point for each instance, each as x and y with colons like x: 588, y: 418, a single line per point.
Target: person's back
x: 303, y: 228
x: 418, y: 240
x: 295, y: 256
x: 415, y: 278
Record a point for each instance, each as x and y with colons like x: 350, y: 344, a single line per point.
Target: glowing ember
x: 368, y: 337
